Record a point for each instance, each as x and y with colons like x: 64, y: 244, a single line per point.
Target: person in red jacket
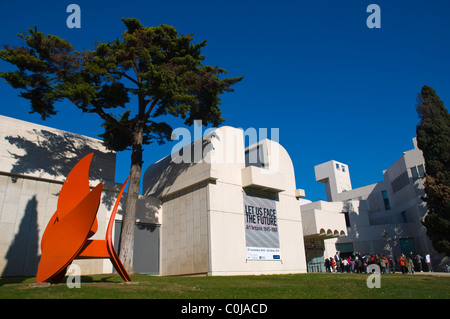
x: 401, y: 262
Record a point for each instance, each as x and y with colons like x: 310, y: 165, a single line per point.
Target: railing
x: 316, y: 267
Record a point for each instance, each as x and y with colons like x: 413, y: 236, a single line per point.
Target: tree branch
x: 150, y: 109
x: 137, y: 73
x: 126, y: 76
x: 111, y: 120
x: 105, y: 116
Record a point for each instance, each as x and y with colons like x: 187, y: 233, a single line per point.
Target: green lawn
x: 296, y: 286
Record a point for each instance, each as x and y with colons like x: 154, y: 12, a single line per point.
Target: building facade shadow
x: 55, y: 154
x: 23, y: 254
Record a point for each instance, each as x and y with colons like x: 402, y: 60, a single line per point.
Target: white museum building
x: 213, y: 207
x: 383, y: 218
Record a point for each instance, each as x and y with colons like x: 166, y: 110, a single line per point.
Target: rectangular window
x: 387, y: 205
x: 414, y: 172
x: 344, y: 247
x: 421, y: 170
x: 404, y: 217
x: 337, y: 166
x: 347, y: 219
x: 255, y: 157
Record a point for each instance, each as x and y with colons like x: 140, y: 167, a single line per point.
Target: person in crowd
x: 333, y: 264
x: 337, y: 259
x: 364, y: 259
x: 359, y: 265
x: 376, y: 259
x: 383, y: 265
x: 418, y: 260
x: 387, y: 264
x: 345, y: 264
x: 341, y: 264
x: 402, y: 263
x: 428, y: 262
x: 410, y: 265
x: 372, y: 259
x: 411, y: 255
x: 327, y: 265
x: 352, y: 264
x: 392, y: 264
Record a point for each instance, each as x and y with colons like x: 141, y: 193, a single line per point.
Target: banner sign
x: 261, y: 228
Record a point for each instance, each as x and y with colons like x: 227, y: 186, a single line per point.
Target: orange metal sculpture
x: 67, y: 234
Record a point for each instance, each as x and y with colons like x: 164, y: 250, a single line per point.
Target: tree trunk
x: 129, y: 217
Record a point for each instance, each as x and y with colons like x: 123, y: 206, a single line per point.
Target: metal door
x: 146, y: 247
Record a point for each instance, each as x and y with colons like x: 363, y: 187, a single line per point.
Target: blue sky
x: 335, y: 88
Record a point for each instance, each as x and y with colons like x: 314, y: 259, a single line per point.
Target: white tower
x: 335, y: 176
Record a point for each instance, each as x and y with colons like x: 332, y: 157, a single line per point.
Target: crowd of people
x: 358, y: 263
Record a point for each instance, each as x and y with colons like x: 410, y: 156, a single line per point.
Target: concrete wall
x: 323, y: 219
x: 203, y: 224
x: 184, y: 232
x: 34, y: 162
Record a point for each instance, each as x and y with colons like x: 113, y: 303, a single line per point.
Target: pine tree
x: 433, y: 138
x: 163, y: 69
